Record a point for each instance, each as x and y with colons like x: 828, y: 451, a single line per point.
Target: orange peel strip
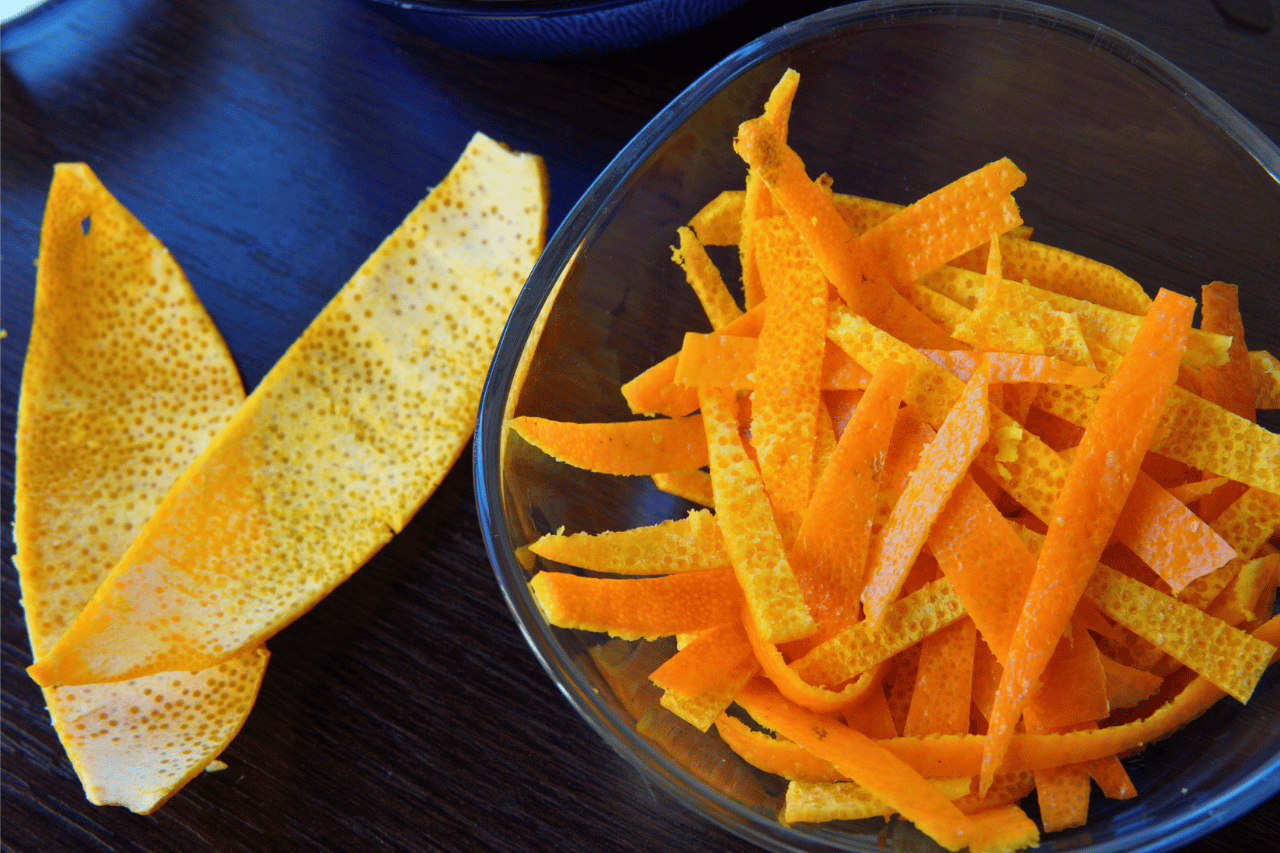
x: 624, y: 447
x: 717, y: 360
x: 1192, y: 431
x: 755, y: 546
x: 906, y: 622
x: 863, y: 761
x: 1074, y: 687
x: 945, y: 224
x: 960, y: 755
x: 719, y: 221
x: 817, y: 802
x: 694, y: 486
x: 1230, y: 658
x: 701, y: 680
x: 789, y: 363
x: 690, y: 544
x: 931, y: 483
x: 705, y: 279
x: 1189, y: 549
x: 1249, y: 521
x: 632, y: 608
x: 944, y: 682
x: 1229, y: 385
x: 831, y: 240
x: 1015, y: 367
x: 987, y: 564
x: 1101, y: 325
x: 1098, y: 483
x: 835, y: 531
x: 789, y: 684
x: 1265, y: 368
x: 1060, y: 271
x: 655, y: 392
x: 1127, y: 685
x: 776, y: 755
x: 758, y: 201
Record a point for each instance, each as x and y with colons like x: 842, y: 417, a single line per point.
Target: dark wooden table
x: 271, y: 145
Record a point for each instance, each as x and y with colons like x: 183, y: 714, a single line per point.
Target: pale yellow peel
x: 336, y: 449
x: 126, y: 381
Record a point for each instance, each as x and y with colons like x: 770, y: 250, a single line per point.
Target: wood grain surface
x: 271, y: 145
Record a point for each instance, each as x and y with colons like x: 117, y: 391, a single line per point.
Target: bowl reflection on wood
x: 1129, y: 162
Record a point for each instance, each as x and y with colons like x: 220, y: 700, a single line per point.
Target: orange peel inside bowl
x: 335, y: 450
x: 107, y: 421
x: 1003, y: 551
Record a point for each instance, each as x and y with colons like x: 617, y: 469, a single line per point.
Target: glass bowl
x: 1129, y: 161
x: 550, y: 29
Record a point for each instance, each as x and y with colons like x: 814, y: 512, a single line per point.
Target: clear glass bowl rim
x: 581, y: 225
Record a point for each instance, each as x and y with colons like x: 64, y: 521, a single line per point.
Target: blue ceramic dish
x: 540, y: 30
x: 1129, y: 161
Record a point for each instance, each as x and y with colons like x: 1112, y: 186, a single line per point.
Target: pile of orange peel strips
x: 166, y: 524
x: 980, y: 516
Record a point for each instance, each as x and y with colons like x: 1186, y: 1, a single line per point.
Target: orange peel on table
x: 910, y: 623
x: 126, y: 380
x: 338, y: 446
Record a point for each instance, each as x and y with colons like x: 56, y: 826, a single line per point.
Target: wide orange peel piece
x: 126, y: 380
x: 338, y: 446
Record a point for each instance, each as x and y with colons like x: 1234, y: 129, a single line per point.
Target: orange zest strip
x: 1265, y: 368
x: 1007, y: 788
x: 758, y: 201
x: 864, y: 761
x: 944, y: 224
x: 776, y: 755
x: 941, y: 466
x: 701, y: 680
x: 1245, y: 597
x: 1229, y: 385
x: 987, y: 564
x: 858, y: 648
x: 631, y: 608
x: 789, y: 684
x: 835, y: 531
x: 705, y: 279
x: 1033, y: 479
x: 789, y: 363
x: 718, y: 360
x: 831, y: 240
x: 944, y: 682
x: 961, y: 755
x: 1003, y: 829
x: 1060, y: 271
x: 626, y: 447
x: 1192, y: 431
x: 690, y: 544
x: 1189, y: 548
x: 655, y: 392
x: 1100, y: 325
x: 1015, y: 367
x: 1249, y: 521
x: 1127, y: 685
x: 1074, y: 688
x: 693, y: 486
x: 719, y: 221
x: 751, y: 535
x: 1227, y: 656
x: 1101, y: 475
x: 816, y: 802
